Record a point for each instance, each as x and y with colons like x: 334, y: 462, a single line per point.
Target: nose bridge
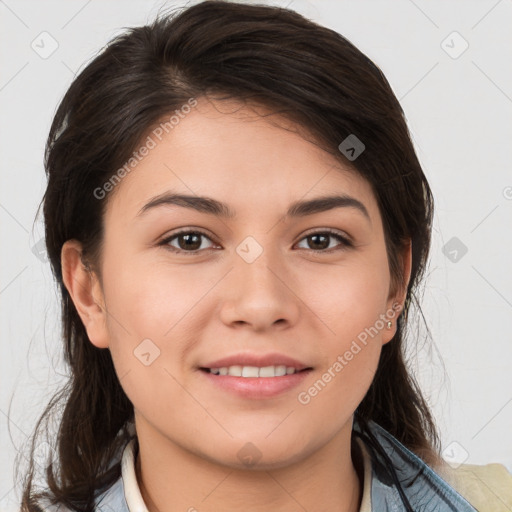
x: 257, y: 289
x: 257, y: 265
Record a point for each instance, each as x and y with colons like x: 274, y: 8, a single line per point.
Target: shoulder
x: 487, y: 487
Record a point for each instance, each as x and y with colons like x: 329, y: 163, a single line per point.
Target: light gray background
x: 459, y: 111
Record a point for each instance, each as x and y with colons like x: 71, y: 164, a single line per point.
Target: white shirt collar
x: 131, y: 487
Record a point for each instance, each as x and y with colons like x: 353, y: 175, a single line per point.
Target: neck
x: 328, y: 480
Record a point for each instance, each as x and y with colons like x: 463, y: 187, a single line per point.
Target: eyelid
x: 337, y: 232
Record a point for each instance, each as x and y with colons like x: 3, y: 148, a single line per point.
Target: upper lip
x: 261, y: 360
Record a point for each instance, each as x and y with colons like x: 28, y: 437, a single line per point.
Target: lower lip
x: 257, y: 387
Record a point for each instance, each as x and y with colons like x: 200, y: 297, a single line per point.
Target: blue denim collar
x: 401, y: 481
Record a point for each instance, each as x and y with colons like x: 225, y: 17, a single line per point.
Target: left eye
x: 191, y: 241
x: 322, y: 238
x: 188, y: 241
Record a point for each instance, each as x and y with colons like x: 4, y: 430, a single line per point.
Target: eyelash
x: 345, y: 242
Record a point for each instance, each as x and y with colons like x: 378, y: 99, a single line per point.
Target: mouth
x: 252, y: 372
x: 250, y: 375
x: 255, y: 382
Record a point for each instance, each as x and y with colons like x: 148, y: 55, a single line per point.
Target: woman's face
x: 249, y: 287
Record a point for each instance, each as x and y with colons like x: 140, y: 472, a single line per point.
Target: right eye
x: 188, y: 241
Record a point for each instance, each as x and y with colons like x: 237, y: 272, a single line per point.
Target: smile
x: 253, y: 371
x: 255, y: 382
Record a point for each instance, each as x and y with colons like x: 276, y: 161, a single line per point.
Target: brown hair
x: 263, y: 55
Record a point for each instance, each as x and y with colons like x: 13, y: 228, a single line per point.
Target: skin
x: 198, y: 307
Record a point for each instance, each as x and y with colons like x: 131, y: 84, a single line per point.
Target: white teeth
x: 235, y: 371
x: 267, y: 371
x: 254, y: 371
x: 250, y: 371
x: 280, y: 370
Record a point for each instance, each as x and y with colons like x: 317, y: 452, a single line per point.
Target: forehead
x: 243, y: 155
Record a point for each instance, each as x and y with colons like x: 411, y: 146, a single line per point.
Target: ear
x: 396, y: 300
x: 85, y: 290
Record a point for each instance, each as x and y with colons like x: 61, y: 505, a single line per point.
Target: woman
x: 238, y: 222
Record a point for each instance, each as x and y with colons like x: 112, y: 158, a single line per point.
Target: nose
x: 260, y: 294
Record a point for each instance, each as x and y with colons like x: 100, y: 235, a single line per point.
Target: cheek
x: 154, y: 314
x: 153, y: 298
x: 351, y: 308
x: 148, y: 306
x: 349, y: 304
x: 348, y: 298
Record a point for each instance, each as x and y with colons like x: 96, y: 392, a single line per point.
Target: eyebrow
x: 213, y: 207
